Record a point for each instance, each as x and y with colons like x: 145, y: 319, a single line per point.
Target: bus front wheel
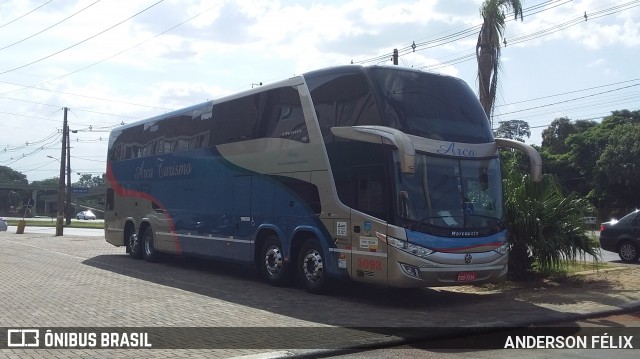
x: 272, y: 265
x: 311, y: 267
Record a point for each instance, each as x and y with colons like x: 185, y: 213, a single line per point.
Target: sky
x: 112, y: 62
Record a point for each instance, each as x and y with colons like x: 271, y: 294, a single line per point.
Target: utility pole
x: 395, y: 56
x: 67, y: 207
x: 60, y: 216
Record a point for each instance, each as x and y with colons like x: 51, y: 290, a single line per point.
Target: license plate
x: 466, y: 276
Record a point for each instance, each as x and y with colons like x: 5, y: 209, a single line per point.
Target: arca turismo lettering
x: 164, y: 169
x: 452, y: 149
x: 174, y: 169
x: 143, y: 173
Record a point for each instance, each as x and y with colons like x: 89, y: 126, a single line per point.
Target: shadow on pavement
x: 358, y: 305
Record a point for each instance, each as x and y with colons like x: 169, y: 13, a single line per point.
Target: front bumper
x: 445, y: 269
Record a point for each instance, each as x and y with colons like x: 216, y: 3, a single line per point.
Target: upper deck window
x: 429, y: 105
x: 342, y: 99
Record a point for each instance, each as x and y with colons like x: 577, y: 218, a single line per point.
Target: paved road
x: 82, y: 281
x: 89, y: 232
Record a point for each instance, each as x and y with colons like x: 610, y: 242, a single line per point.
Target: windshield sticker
x: 341, y: 228
x: 370, y: 243
x: 367, y: 228
x: 468, y: 208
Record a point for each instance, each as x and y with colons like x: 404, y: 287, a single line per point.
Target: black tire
x: 311, y: 267
x: 629, y: 252
x: 134, y: 245
x: 273, y: 267
x: 148, y: 246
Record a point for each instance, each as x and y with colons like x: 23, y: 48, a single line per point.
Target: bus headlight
x: 503, y: 249
x: 410, y: 248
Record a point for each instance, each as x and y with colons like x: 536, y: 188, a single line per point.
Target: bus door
x: 242, y: 222
x: 368, y: 229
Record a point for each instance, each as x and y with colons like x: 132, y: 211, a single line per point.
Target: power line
x: 86, y: 96
x: 83, y: 41
x: 468, y: 32
x: 570, y: 92
x: 20, y: 17
x: 458, y: 35
x: 48, y: 145
x: 108, y: 58
x: 569, y: 100
x: 54, y: 25
x: 131, y: 47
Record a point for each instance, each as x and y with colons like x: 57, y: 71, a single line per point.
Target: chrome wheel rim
x: 148, y: 247
x: 313, y: 266
x: 133, y: 242
x: 273, y: 261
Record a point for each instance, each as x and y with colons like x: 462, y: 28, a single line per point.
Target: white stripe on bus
x: 364, y: 253
x: 225, y: 239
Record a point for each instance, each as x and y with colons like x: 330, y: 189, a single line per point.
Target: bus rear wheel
x: 271, y: 262
x: 135, y: 246
x: 311, y: 267
x: 148, y: 246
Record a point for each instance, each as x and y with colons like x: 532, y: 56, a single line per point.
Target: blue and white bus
x: 382, y: 175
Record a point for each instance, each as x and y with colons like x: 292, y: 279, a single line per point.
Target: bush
x: 545, y: 227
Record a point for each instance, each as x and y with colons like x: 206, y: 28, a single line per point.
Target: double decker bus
x: 382, y: 175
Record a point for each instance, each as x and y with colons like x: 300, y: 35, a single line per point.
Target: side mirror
x: 535, y: 160
x: 380, y: 134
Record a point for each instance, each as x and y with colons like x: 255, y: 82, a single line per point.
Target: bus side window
x: 282, y: 115
x: 235, y: 120
x: 110, y: 199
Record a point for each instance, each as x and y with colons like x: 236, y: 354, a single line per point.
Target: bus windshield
x: 451, y: 194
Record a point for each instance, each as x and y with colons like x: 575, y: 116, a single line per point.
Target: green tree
x: 514, y: 129
x: 554, y: 137
x: 88, y: 180
x: 555, y: 154
x: 9, y: 176
x: 618, y: 170
x: 606, y: 155
x: 488, y: 47
x: 11, y: 198
x: 49, y: 182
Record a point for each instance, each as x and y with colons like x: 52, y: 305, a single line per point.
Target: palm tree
x: 488, y: 48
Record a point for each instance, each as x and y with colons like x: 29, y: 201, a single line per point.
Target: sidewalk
x: 589, y: 293
x: 82, y: 281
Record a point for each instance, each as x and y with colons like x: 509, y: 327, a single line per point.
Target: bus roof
x: 295, y: 80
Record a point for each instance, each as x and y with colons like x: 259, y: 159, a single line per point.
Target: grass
x: 569, y: 268
x: 52, y: 223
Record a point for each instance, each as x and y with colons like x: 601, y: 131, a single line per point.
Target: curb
x: 494, y: 327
